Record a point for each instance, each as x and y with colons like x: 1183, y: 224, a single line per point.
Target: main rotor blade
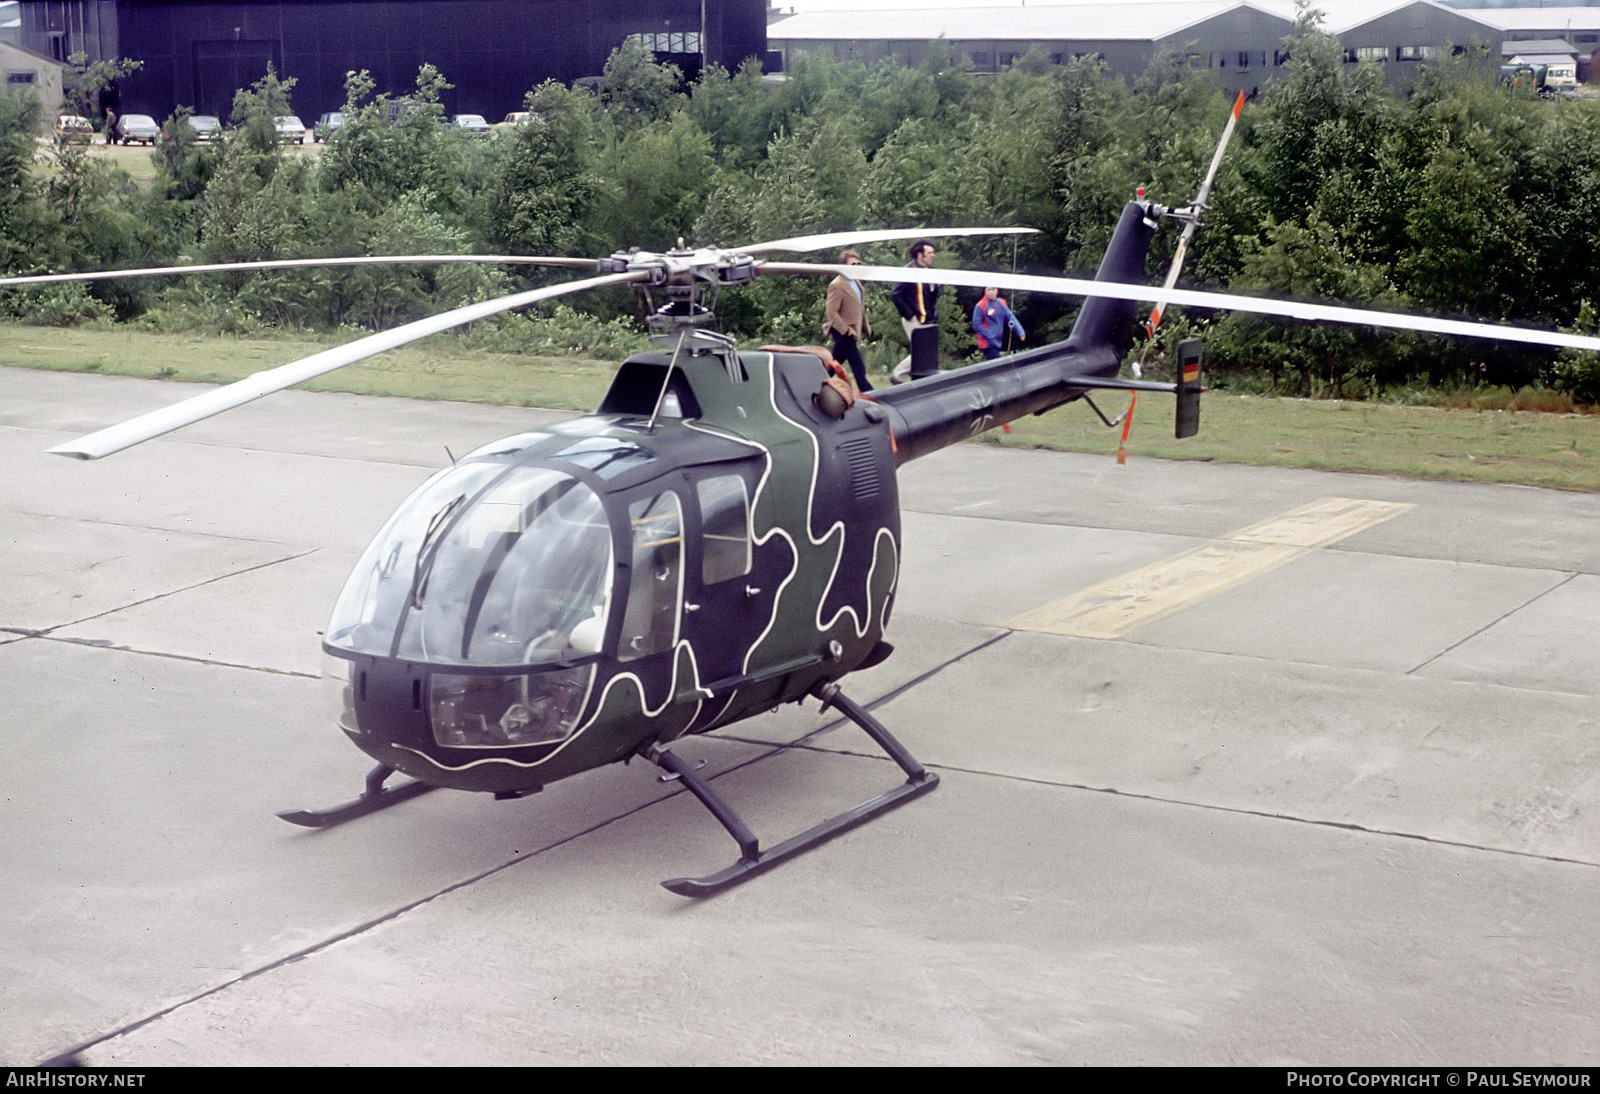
x: 294, y: 263
x: 126, y: 434
x: 802, y: 244
x: 1289, y: 309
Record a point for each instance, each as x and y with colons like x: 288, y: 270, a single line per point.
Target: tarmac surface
x: 1345, y: 810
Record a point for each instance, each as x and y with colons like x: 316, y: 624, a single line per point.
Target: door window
x: 655, y: 589
x: 725, y: 525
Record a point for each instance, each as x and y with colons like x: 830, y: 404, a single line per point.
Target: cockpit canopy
x: 487, y: 564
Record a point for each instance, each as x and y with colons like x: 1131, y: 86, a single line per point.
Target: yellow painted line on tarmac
x: 1116, y: 607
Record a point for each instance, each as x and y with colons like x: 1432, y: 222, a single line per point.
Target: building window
x: 15, y: 78
x: 1586, y: 38
x: 669, y: 41
x: 1366, y: 53
x: 981, y: 58
x: 1009, y: 58
x: 1280, y: 57
x: 1415, y: 53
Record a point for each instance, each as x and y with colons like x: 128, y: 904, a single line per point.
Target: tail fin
x: 1110, y: 322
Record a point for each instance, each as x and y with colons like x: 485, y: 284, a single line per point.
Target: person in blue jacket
x: 989, y: 319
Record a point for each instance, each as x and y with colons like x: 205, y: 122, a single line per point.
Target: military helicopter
x: 720, y: 537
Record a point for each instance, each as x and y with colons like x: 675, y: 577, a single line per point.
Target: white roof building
x: 1241, y: 40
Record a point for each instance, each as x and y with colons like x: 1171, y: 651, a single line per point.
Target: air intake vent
x: 858, y: 453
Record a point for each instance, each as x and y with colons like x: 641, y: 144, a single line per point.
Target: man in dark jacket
x: 918, y: 305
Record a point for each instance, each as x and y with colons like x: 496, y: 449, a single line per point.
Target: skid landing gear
x: 372, y: 799
x: 753, y: 860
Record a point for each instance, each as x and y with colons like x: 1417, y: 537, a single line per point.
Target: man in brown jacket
x: 847, y: 320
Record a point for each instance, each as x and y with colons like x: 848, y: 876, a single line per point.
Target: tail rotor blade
x: 1199, y: 206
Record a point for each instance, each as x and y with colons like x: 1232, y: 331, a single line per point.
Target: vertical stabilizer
x: 1110, y: 322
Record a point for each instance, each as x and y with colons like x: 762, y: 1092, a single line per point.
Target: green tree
x: 636, y: 88
x: 1309, y: 261
x: 255, y: 112
x: 387, y: 147
x: 82, y: 82
x: 652, y: 183
x: 542, y: 190
x: 24, y: 224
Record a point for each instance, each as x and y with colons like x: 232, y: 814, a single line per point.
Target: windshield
x: 484, y: 565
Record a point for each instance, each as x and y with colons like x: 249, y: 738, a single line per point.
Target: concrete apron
x: 1342, y: 811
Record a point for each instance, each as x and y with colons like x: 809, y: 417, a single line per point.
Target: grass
x: 1524, y: 447
x: 1502, y: 446
x: 137, y: 161
x: 437, y: 368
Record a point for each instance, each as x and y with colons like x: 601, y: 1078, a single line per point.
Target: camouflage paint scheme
x: 825, y: 535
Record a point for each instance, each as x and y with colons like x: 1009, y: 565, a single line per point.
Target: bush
x: 1578, y: 375
x: 565, y: 331
x: 1542, y: 400
x: 57, y: 306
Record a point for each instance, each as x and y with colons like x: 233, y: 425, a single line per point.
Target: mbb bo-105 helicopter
x: 721, y: 536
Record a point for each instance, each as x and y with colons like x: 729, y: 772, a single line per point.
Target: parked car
x: 472, y: 123
x: 400, y: 109
x: 137, y: 128
x: 291, y: 130
x: 511, y: 121
x: 71, y: 129
x: 327, y: 126
x: 207, y: 127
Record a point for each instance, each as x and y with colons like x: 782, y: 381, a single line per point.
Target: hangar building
x: 1239, y: 40
x: 198, y: 52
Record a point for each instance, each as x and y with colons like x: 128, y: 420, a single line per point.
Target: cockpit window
x: 482, y: 573
x: 607, y: 457
x: 382, y: 585
x: 725, y: 524
x: 656, y: 588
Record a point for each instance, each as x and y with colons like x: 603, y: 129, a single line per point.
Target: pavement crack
x: 1183, y: 803
x: 359, y: 929
x: 1387, y: 673
x: 47, y: 632
x: 145, y: 527
x: 102, y: 644
x: 1493, y: 622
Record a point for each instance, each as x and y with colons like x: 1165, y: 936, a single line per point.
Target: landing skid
x: 372, y: 799
x: 753, y: 860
